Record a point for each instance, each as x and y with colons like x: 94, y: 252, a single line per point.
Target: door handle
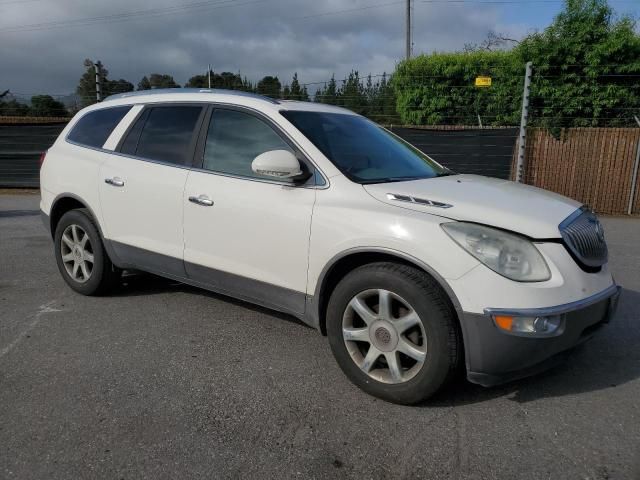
x: 201, y: 200
x: 115, y: 181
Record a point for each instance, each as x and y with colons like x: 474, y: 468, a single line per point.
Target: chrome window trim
x: 252, y: 179
x: 325, y: 186
x: 611, y: 291
x: 281, y: 131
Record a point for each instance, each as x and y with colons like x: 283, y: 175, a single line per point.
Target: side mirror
x: 278, y: 164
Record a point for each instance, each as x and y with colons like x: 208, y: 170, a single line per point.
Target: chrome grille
x: 584, y: 236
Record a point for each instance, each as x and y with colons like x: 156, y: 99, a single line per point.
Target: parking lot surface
x: 161, y: 380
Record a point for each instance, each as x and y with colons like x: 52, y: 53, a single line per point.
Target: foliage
x: 13, y: 108
x: 439, y: 89
x: 295, y: 91
x: 41, y: 106
x: 86, y: 89
x: 157, y: 80
x: 269, y: 86
x: 46, y: 106
x: 111, y: 87
x: 586, y: 67
x: 374, y: 100
x: 225, y: 80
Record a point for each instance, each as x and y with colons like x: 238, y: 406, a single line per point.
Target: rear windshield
x: 94, y: 128
x: 362, y: 150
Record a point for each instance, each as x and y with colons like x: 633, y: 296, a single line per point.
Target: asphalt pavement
x: 161, y: 380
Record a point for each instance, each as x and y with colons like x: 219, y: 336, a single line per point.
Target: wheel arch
x: 65, y: 202
x: 346, y: 261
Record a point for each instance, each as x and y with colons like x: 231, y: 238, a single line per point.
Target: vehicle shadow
x: 18, y: 213
x: 143, y: 284
x: 611, y: 358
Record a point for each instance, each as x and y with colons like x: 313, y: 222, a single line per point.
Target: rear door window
x: 94, y: 128
x: 164, y: 134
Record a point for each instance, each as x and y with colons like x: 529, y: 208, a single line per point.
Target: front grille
x: 584, y: 237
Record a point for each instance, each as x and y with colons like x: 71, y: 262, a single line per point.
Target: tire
x: 420, y: 322
x: 98, y: 275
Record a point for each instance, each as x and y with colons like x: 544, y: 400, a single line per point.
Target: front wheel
x: 80, y: 255
x: 393, y: 332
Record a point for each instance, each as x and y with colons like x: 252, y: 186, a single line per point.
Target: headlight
x: 509, y: 255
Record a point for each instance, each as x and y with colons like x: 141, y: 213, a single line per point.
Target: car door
x: 142, y: 185
x: 245, y: 234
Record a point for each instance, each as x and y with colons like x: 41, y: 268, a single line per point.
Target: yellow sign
x: 483, y: 81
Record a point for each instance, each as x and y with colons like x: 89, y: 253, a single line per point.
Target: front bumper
x: 495, y: 357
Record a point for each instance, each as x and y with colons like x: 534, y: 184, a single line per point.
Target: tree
x: 111, y: 87
x: 157, y: 80
x: 86, y: 89
x: 269, y: 86
x: 144, y: 83
x: 224, y: 80
x: 328, y: 93
x: 13, y: 108
x: 46, y: 106
x: 586, y: 66
x: 438, y: 89
x: 352, y: 94
x: 494, y: 41
x: 295, y: 91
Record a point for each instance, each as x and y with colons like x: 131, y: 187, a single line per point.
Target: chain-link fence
x: 585, y: 149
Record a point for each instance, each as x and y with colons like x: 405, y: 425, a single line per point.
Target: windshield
x: 363, y: 151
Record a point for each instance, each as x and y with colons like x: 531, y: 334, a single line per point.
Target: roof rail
x: 239, y: 93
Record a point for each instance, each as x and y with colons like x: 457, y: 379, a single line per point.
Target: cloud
x: 256, y: 38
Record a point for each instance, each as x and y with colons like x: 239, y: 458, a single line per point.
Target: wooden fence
x: 591, y: 165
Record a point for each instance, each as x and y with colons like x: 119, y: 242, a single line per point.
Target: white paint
x: 286, y: 235
x: 44, y: 309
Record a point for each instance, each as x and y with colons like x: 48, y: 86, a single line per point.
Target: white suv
x: 410, y: 269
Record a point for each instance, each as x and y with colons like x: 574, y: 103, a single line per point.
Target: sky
x: 43, y: 43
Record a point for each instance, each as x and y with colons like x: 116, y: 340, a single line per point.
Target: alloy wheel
x: 384, y: 336
x: 77, y: 253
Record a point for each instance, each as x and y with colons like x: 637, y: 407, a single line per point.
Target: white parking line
x: 44, y: 309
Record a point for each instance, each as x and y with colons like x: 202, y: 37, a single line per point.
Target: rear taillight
x: 43, y: 155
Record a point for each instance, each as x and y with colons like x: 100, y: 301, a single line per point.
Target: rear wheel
x: 393, y: 332
x: 80, y: 255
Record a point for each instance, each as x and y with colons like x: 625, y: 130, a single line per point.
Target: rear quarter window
x: 94, y: 128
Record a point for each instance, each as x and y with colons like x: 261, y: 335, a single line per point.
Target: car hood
x: 528, y: 210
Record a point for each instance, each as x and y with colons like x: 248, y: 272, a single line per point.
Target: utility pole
x: 524, y: 117
x: 408, y: 29
x: 98, y: 68
x: 209, y: 74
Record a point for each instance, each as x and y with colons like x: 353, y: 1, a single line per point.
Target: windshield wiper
x: 392, y: 179
x: 405, y: 179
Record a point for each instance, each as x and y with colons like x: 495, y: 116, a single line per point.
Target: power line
x: 349, y: 10
x: 507, y: 2
x: 125, y: 16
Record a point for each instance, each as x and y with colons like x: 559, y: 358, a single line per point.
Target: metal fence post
x: 634, y: 175
x: 522, y: 140
x: 98, y: 68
